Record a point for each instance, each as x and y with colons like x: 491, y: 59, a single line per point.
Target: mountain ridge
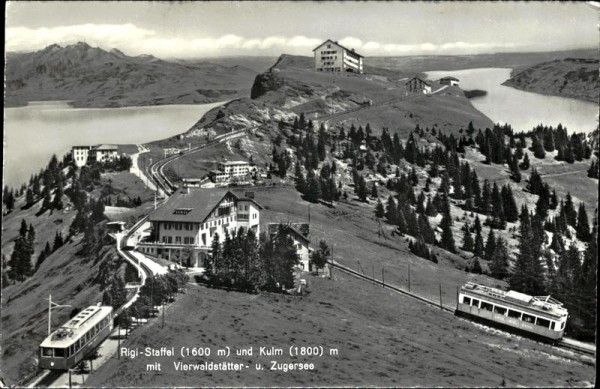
x: 93, y: 77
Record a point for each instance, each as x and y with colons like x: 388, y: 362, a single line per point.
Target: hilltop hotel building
x: 191, y: 217
x: 330, y: 56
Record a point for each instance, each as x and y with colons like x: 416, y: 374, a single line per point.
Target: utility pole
x: 163, y: 315
x: 383, y: 277
x: 50, y: 306
x: 119, y: 341
x: 409, y: 276
x: 441, y: 307
x: 309, y: 215
x: 331, y: 267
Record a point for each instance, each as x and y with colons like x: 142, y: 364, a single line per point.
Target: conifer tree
x: 468, y: 244
x: 447, y: 240
x: 425, y: 229
x: 583, y: 227
x: 490, y: 246
x: 391, y: 211
x: 587, y: 284
x: 570, y: 212
x: 478, y: 247
x: 525, y: 164
x: 499, y: 260
x: 430, y: 209
x: 379, y: 211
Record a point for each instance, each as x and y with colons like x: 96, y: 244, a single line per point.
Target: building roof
x: 343, y: 47
x: 299, y: 230
x: 106, y: 147
x: 229, y: 163
x: 418, y: 78
x: 198, y: 204
x: 82, y: 147
x: 77, y: 326
x: 541, y: 304
x: 449, y: 78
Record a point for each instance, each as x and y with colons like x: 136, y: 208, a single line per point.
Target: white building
x: 83, y: 155
x: 191, y: 217
x: 80, y: 155
x: 417, y: 85
x: 452, y: 81
x: 235, y: 168
x: 104, y: 153
x: 298, y: 232
x: 230, y: 171
x: 330, y: 56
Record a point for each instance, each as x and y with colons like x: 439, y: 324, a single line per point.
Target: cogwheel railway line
x: 566, y: 343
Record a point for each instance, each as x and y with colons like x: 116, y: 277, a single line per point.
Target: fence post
x: 409, y: 277
x: 441, y: 296
x: 373, y: 274
x: 382, y: 277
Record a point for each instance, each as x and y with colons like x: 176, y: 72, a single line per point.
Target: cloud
x: 134, y: 40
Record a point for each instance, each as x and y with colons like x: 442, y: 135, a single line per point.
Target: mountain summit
x: 93, y: 77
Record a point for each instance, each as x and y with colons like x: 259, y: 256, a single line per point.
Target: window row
x: 514, y: 314
x: 79, y: 344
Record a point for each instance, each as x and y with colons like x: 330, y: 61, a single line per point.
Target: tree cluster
x: 242, y: 262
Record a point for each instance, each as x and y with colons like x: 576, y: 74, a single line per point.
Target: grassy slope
x: 63, y: 274
x: 67, y: 278
x: 383, y: 340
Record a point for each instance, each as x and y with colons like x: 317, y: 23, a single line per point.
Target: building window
x: 178, y: 239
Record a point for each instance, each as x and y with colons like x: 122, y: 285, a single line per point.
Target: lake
x: 522, y: 110
x: 34, y: 132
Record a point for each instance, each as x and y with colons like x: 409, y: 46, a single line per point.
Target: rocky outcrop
x: 264, y: 83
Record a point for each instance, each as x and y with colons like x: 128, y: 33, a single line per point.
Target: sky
x: 209, y: 29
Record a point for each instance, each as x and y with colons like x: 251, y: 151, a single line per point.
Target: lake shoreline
x: 56, y: 126
x: 586, y: 99
x: 522, y: 109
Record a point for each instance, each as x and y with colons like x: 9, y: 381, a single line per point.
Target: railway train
x: 537, y: 317
x: 73, y: 341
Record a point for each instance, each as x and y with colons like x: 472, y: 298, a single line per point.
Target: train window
x: 467, y: 300
x: 499, y: 310
x: 514, y: 314
x: 47, y: 352
x: 487, y: 306
x: 562, y: 326
x: 71, y: 350
x: 543, y: 322
x: 475, y: 303
x: 59, y: 352
x: 528, y: 318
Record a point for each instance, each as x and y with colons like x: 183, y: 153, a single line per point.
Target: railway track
x: 157, y: 174
x: 566, y: 343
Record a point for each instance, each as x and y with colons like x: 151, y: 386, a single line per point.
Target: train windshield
x: 59, y: 352
x: 47, y: 352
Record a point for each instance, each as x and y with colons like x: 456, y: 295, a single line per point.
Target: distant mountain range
x: 92, y: 77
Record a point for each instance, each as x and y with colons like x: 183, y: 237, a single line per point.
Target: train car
x: 72, y: 342
x: 538, y: 317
